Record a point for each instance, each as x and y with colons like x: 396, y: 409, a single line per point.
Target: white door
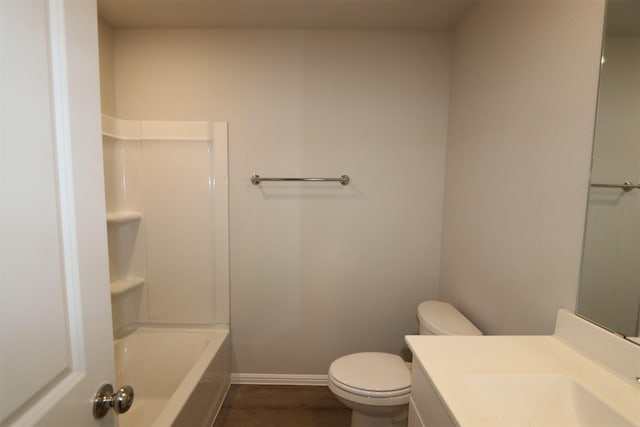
x: 55, y: 320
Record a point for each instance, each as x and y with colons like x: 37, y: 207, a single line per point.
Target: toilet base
x: 366, y: 415
x: 358, y: 419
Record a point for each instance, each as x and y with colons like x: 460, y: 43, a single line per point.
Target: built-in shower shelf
x: 123, y: 286
x: 122, y: 218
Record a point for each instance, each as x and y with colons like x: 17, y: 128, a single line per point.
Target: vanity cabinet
x: 425, y: 407
x: 581, y: 376
x: 415, y: 420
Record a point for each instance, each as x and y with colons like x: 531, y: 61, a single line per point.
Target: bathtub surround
x: 523, y: 96
x: 167, y: 201
x: 167, y: 220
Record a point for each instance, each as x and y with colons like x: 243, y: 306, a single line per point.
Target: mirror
x: 610, y: 279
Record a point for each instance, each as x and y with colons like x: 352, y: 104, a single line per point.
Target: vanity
x: 582, y: 375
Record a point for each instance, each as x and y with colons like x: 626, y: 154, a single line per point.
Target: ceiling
x: 432, y: 15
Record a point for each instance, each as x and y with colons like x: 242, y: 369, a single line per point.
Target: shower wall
x: 167, y: 221
x: 320, y: 270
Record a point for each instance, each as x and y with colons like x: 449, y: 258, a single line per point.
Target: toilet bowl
x: 376, y: 386
x: 377, y: 398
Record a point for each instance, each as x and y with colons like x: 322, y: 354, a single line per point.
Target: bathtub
x: 180, y: 376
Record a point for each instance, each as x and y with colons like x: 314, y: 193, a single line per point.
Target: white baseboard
x: 278, y: 379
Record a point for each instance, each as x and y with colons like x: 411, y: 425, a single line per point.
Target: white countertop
x: 481, y: 379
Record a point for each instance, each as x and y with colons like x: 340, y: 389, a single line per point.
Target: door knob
x: 105, y: 398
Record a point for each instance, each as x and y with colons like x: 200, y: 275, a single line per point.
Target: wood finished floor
x: 282, y: 406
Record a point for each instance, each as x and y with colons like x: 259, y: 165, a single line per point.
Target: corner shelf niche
x: 120, y: 287
x: 128, y: 284
x: 123, y: 217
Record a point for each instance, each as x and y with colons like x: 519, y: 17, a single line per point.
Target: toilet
x: 376, y: 386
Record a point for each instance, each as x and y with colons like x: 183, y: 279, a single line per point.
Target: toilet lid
x: 374, y: 374
x: 442, y: 318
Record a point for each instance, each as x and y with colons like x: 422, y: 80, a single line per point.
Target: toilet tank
x: 441, y: 318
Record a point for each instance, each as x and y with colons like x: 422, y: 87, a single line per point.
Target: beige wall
x: 105, y: 47
x: 317, y: 270
x: 523, y: 93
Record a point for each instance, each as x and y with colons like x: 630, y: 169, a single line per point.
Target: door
x: 55, y: 320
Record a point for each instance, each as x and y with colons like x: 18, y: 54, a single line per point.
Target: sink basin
x: 538, y: 400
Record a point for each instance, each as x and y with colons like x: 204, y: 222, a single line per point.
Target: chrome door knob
x: 105, y: 398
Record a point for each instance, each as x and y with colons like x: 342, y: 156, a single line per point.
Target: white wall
x: 610, y: 285
x: 523, y: 93
x: 320, y: 270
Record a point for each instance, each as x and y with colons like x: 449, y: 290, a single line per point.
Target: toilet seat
x: 370, y: 393
x: 371, y: 375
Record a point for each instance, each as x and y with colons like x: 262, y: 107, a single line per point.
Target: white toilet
x: 376, y: 386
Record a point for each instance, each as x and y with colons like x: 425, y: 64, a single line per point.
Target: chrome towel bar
x: 344, y: 179
x: 627, y: 186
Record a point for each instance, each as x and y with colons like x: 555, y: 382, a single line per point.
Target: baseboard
x: 278, y: 379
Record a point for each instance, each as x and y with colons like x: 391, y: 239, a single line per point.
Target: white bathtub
x: 180, y: 376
